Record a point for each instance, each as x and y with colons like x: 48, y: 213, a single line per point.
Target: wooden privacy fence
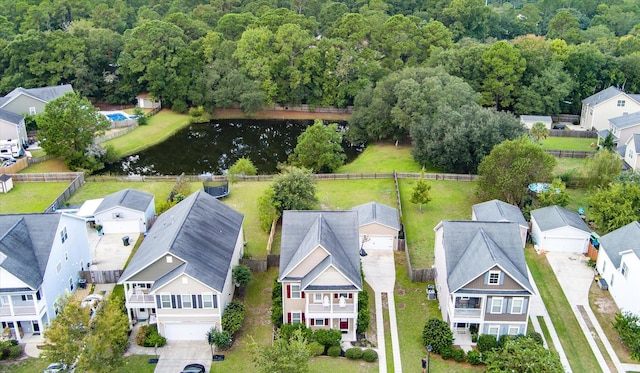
x: 579, y: 134
x: 36, y: 160
x: 570, y: 153
x: 565, y: 118
x: 102, y: 277
x: 261, y: 265
x: 20, y: 165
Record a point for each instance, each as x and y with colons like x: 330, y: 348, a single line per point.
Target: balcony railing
x: 5, y: 311
x: 137, y: 297
x: 336, y: 308
x: 467, y: 312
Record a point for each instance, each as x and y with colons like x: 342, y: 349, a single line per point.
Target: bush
x: 316, y: 349
x: 628, y: 327
x: 142, y: 335
x: 369, y: 355
x: 148, y: 336
x: 287, y: 330
x: 458, y: 355
x: 364, y: 320
x: 327, y: 337
x: 437, y: 334
x: 486, y: 342
x: 446, y: 353
x: 233, y: 317
x: 474, y: 357
x: 536, y: 337
x: 276, y: 292
x: 334, y: 351
x: 220, y: 339
x: 276, y: 315
x: 504, y: 339
x: 354, y: 353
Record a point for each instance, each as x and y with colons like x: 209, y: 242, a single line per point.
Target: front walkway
x: 575, y: 279
x: 380, y: 273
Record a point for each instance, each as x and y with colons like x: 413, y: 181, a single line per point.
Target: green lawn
x: 161, y: 126
x: 569, y: 143
x: 450, y: 200
x: 412, y: 312
x: 133, y: 364
x: 51, y: 165
x: 545, y: 333
x: 578, y: 198
x: 569, y: 164
x: 573, y: 341
x: 382, y: 157
x: 344, y: 194
x: 30, y: 197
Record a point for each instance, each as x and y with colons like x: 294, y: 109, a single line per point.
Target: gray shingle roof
x: 335, y: 231
x: 626, y: 121
x: 552, y: 217
x: 374, y: 212
x: 473, y: 247
x: 622, y: 239
x: 25, y: 245
x: 130, y: 198
x: 5, y: 177
x: 496, y: 210
x: 602, y: 96
x: 200, y: 230
x: 45, y: 94
x: 10, y: 117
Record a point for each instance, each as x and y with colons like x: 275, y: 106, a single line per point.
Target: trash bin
x: 82, y: 283
x: 125, y: 240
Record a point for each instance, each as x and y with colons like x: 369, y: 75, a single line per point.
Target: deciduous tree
x: 556, y: 194
x: 615, y: 205
x: 294, y: 189
x: 319, y: 148
x: 68, y: 127
x: 503, y: 67
x: 511, y: 166
x: 420, y: 195
x: 283, y: 355
x: 523, y: 352
x: 602, y: 168
x: 242, y: 166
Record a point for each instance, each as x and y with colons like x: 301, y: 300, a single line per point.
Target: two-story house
x: 619, y: 265
x: 320, y: 270
x: 181, y: 275
x: 496, y: 210
x: 41, y: 256
x: 631, y: 151
x: 606, y: 104
x: 13, y: 132
x: 32, y: 100
x: 482, y: 279
x: 621, y: 128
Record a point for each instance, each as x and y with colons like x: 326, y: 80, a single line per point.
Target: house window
x: 621, y: 103
x: 493, y: 330
x: 624, y: 270
x: 32, y: 110
x: 604, y: 266
x: 296, y: 317
x: 4, y: 299
x: 38, y: 296
x: 496, y: 305
x: 517, y: 305
x: 494, y: 278
x: 185, y: 280
x: 514, y: 330
x: 295, y: 291
x: 66, y: 256
x: 27, y: 297
x: 209, y: 301
x: 319, y: 322
x: 117, y: 215
x: 70, y: 283
x: 169, y: 259
x: 186, y: 301
x: 165, y: 300
x: 317, y: 297
x: 63, y: 234
x: 58, y: 268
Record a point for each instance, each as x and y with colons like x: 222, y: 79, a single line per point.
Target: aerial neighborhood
x: 376, y: 186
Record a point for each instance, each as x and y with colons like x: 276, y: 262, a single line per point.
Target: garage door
x: 122, y: 226
x: 565, y: 245
x: 376, y: 242
x: 186, y: 331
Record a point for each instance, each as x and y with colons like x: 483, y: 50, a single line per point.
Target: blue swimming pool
x: 116, y: 117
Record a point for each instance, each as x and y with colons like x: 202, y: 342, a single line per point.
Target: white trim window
x: 319, y: 322
x: 624, y: 269
x: 63, y: 234
x: 494, y: 278
x: 296, y: 317
x: 317, y: 297
x: 32, y: 110
x: 493, y: 330
x: 496, y: 304
x: 517, y: 305
x: 514, y: 330
x: 207, y: 301
x: 165, y: 300
x: 621, y: 103
x: 295, y: 292
x: 186, y: 301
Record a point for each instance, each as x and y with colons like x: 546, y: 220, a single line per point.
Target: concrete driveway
x: 380, y: 273
x: 175, y: 355
x: 108, y: 251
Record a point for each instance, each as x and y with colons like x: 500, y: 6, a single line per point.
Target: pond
x: 211, y: 148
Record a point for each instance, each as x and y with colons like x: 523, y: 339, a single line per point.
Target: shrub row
x: 364, y: 316
x: 355, y: 353
x: 276, y: 307
x: 148, y: 336
x: 10, y: 350
x: 233, y: 316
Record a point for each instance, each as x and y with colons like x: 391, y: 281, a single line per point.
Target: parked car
x: 92, y: 301
x: 193, y: 368
x: 55, y: 368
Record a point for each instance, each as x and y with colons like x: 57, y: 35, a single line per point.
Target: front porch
x: 463, y: 335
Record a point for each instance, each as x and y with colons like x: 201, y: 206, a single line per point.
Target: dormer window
x: 494, y: 278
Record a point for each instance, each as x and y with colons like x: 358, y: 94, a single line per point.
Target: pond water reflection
x: 211, y: 148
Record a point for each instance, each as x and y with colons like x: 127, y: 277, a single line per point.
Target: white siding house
x: 606, y: 104
x: 556, y: 229
x: 126, y: 211
x: 632, y: 152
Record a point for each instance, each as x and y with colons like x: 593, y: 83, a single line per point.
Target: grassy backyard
x: 30, y: 197
x: 133, y: 364
x: 382, y: 157
x: 569, y: 143
x: 573, y: 341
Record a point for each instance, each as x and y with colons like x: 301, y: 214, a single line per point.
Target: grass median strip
x: 573, y: 341
x: 547, y: 335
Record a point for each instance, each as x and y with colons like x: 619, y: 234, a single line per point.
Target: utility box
x: 125, y: 240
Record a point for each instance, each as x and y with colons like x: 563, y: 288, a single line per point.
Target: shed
x: 145, y: 101
x: 6, y: 183
x: 378, y: 226
x: 556, y: 229
x: 126, y: 211
x: 529, y: 120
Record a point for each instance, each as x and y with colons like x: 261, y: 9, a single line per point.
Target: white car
x: 55, y: 368
x: 92, y: 301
